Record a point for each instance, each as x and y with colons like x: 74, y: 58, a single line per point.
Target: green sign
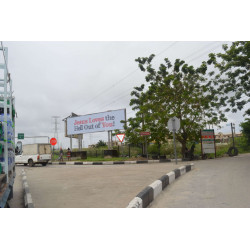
x: 20, y: 136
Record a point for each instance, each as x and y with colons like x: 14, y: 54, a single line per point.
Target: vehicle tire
x: 233, y: 151
x: 25, y: 164
x: 44, y: 164
x: 31, y: 163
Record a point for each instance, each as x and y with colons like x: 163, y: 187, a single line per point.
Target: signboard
x: 99, y: 122
x: 120, y: 137
x: 53, y: 141
x: 174, y: 124
x: 20, y: 136
x: 145, y: 133
x: 208, y: 141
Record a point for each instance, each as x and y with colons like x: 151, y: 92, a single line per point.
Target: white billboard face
x: 98, y: 122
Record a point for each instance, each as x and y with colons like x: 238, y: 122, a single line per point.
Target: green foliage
x: 100, y: 144
x: 246, y: 129
x: 177, y: 90
x: 234, y: 75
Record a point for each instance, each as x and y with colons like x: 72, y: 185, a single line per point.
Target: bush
x: 100, y: 144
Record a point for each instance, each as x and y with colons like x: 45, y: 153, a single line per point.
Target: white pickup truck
x: 31, y: 154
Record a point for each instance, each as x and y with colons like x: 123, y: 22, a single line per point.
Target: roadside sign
x: 174, y: 124
x: 208, y: 141
x: 120, y: 137
x: 145, y: 133
x: 53, y: 141
x: 20, y: 136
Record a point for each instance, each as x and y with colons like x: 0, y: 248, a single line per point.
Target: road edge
x: 148, y: 194
x: 28, y: 202
x: 112, y: 162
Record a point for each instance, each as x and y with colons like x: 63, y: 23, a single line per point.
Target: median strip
x: 148, y: 194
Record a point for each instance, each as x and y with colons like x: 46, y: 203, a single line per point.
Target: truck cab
x: 31, y: 154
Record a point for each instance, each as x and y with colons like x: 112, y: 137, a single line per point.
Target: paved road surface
x: 223, y: 182
x: 110, y: 186
x: 17, y: 201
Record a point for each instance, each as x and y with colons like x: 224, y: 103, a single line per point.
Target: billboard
x: 208, y: 141
x: 99, y: 122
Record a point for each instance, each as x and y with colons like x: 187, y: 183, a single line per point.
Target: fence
x: 154, y: 152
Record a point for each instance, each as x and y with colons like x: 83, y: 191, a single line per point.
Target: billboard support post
x: 111, y: 140
x: 108, y: 141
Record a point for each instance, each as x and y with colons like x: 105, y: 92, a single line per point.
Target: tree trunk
x: 159, y: 148
x: 183, y: 148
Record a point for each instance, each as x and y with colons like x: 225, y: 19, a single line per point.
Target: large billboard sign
x: 208, y: 141
x: 99, y: 122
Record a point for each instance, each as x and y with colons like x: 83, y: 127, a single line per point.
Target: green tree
x: 232, y: 81
x: 100, y: 143
x: 246, y: 129
x: 174, y: 90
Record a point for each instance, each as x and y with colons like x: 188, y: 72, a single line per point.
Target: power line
x: 122, y: 96
x: 204, y: 47
x: 129, y: 74
x: 204, y: 53
x: 210, y: 50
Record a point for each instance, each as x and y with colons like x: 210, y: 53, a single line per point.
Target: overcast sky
x: 57, y: 78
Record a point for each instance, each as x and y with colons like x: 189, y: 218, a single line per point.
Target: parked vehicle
x: 31, y: 154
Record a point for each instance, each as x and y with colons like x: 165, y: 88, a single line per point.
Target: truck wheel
x: 25, y: 164
x: 44, y: 164
x: 31, y: 163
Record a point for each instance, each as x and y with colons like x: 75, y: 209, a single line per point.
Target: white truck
x: 31, y: 154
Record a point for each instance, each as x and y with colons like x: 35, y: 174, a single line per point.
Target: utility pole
x: 233, y: 132
x: 56, y: 128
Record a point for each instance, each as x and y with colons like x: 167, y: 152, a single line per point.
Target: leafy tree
x: 232, y: 81
x: 174, y: 90
x: 100, y: 144
x: 246, y: 129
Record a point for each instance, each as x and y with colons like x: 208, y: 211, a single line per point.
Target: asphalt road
x: 104, y: 186
x: 219, y: 183
x: 17, y: 201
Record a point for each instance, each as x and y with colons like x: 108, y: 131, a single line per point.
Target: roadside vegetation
x: 200, y: 97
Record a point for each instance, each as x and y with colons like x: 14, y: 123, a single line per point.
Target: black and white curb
x: 28, y: 203
x: 109, y: 162
x: 148, y: 194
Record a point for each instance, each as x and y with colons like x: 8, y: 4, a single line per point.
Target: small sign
x: 20, y: 136
x: 120, y: 137
x: 208, y: 141
x: 145, y: 133
x: 53, y: 141
x: 174, y: 124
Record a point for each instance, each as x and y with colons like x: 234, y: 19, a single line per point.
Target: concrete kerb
x: 148, y: 194
x: 28, y: 203
x: 109, y: 162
